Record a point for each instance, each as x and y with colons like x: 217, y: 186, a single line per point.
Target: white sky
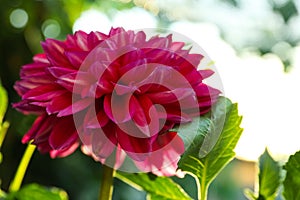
x: 268, y: 98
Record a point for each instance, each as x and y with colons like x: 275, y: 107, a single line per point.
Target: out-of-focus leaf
x: 3, y: 106
x: 106, y: 6
x: 158, y: 188
x: 206, y: 168
x: 3, y: 129
x: 73, y: 8
x: 292, y: 180
x: 2, y: 194
x: 287, y: 10
x: 234, y: 3
x: 3, y: 103
x: 269, y: 177
x: 249, y: 194
x: 38, y: 192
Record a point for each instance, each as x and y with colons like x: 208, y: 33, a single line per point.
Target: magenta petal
x: 40, y: 58
x: 23, y: 86
x: 146, y: 116
x: 34, y: 128
x: 120, y: 106
x: 159, y: 55
x: 60, y: 71
x: 132, y: 58
x: 165, y: 76
x: 33, y: 68
x: 177, y: 45
x: 141, y: 111
x: 202, y: 90
x: 163, y: 160
x: 75, y: 107
x: 43, y: 92
x: 64, y: 152
x: 103, y: 70
x: 107, y: 107
x: 94, y: 38
x: 59, y: 103
x: 194, y: 59
x: 64, y: 106
x: 171, y: 96
x: 120, y: 157
x: 44, y: 130
x: 39, y: 78
x: 54, y: 50
x: 76, y: 58
x: 140, y: 38
x: 81, y: 40
x: 194, y: 77
x: 65, y: 84
x: 133, y: 68
x: 176, y: 115
x: 206, y: 73
x: 100, y: 142
x: 96, y: 122
x: 133, y: 144
x: 27, y: 108
x: 102, y: 146
x: 40, y: 103
x: 75, y: 82
x: 124, y: 89
x: 114, y: 31
x: 80, y: 78
x: 44, y: 147
x: 63, y: 134
x: 169, y: 140
x: 205, y: 90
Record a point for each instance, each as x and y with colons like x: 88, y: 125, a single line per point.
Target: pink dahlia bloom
x: 116, y: 95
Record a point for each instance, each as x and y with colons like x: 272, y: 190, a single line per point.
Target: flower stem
x: 3, y: 131
x: 203, y: 192
x: 17, y: 181
x: 106, y: 189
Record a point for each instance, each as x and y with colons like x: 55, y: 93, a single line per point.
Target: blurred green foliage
x: 269, y: 179
x: 292, y: 180
x: 37, y: 192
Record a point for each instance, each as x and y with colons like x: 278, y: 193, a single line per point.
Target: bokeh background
x: 255, y: 46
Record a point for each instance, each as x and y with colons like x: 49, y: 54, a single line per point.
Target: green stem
x: 203, y: 192
x: 17, y: 181
x: 106, y: 189
x: 3, y: 131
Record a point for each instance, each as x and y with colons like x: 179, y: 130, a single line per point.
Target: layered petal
x: 117, y: 95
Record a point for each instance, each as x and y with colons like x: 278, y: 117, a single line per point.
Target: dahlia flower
x: 117, y: 95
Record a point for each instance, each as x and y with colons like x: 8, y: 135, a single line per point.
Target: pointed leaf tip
x: 221, y: 136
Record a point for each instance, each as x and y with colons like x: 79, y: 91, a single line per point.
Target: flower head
x: 117, y: 95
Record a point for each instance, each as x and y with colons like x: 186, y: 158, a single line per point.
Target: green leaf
x: 3, y: 130
x: 250, y: 194
x: 2, y: 194
x: 269, y: 177
x: 38, y: 192
x: 74, y: 8
x: 3, y: 126
x: 3, y: 103
x: 292, y: 180
x: 158, y: 188
x: 197, y: 130
x: 205, y: 159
